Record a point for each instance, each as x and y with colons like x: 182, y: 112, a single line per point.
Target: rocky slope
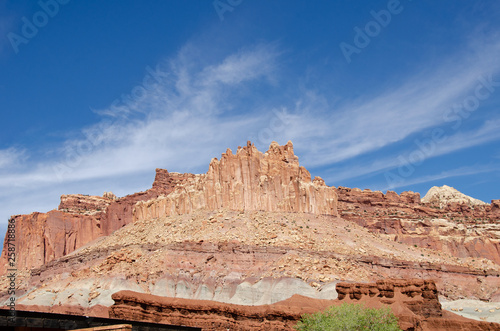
x: 79, y: 219
x: 271, y: 181
x: 249, y: 180
x: 255, y: 229
x: 457, y: 229
x: 244, y: 258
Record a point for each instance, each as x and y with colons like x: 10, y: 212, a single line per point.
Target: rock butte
x: 255, y: 223
x: 247, y: 180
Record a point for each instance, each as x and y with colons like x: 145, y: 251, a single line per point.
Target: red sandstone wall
x: 248, y: 180
x: 257, y: 181
x: 43, y: 237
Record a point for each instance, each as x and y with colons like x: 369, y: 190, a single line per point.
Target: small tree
x: 347, y: 317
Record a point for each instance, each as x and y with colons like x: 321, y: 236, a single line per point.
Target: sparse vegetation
x: 347, y: 317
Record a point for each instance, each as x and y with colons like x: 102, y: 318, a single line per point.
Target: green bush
x: 347, y: 317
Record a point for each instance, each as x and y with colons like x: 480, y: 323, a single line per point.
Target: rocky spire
x: 248, y: 180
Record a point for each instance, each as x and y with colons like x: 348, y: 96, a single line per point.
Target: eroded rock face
x: 242, y: 258
x: 207, y: 315
x: 420, y: 296
x: 272, y: 181
x: 413, y: 301
x: 457, y: 228
x: 43, y: 237
x: 348, y: 196
x: 247, y: 180
x: 495, y: 207
x: 84, y: 204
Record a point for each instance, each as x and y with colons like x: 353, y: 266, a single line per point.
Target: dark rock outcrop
x: 413, y: 301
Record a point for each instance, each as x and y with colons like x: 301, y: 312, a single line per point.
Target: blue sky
x: 95, y: 95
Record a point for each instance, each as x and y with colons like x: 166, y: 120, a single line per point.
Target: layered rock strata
x: 247, y: 180
x: 243, y: 258
x: 80, y: 219
x: 85, y: 204
x: 459, y: 229
x: 208, y: 315
x: 420, y: 296
x: 413, y: 301
x: 251, y: 180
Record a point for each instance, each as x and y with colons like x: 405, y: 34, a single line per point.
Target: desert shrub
x: 347, y: 317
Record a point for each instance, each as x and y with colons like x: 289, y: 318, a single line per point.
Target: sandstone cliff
x: 273, y: 182
x: 85, y: 204
x: 246, y: 258
x: 247, y: 180
x: 457, y: 228
x: 80, y: 219
x: 255, y: 229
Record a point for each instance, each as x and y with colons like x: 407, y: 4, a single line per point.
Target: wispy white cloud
x: 11, y: 157
x: 362, y: 126
x: 180, y: 121
x: 458, y: 172
x: 242, y: 66
x: 489, y: 131
x: 188, y: 113
x: 460, y: 140
x: 188, y: 110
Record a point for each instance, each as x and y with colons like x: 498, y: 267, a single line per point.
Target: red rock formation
x: 458, y: 229
x: 495, y: 208
x: 83, y: 204
x: 418, y: 295
x: 248, y: 180
x: 209, y: 315
x: 413, y: 301
x: 43, y: 237
x: 119, y: 212
x: 251, y: 180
